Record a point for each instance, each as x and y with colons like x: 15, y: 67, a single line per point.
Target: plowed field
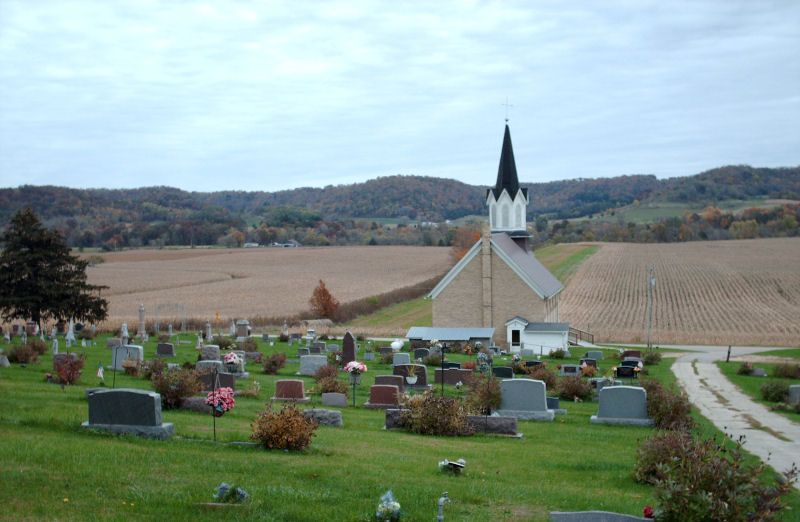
x: 714, y: 292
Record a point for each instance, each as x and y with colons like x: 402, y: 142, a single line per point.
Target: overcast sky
x: 273, y: 95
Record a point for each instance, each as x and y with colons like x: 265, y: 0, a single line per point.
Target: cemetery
x: 113, y: 435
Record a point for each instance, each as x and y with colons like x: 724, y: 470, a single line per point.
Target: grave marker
x: 128, y: 411
x: 310, y: 364
x: 622, y: 405
x: 524, y: 399
x: 290, y: 390
x: 348, y: 348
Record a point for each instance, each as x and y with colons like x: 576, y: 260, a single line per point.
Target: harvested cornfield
x: 716, y: 292
x: 251, y: 283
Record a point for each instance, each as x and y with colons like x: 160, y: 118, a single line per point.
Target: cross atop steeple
x: 507, y: 105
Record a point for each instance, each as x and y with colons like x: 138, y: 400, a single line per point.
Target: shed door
x: 514, y: 337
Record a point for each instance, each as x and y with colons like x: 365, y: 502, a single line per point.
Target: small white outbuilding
x: 541, y: 338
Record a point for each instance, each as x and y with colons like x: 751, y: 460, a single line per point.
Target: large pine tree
x: 40, y: 279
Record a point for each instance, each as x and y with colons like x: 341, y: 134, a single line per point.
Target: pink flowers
x: 648, y: 512
x: 232, y: 358
x: 221, y: 400
x: 355, y: 367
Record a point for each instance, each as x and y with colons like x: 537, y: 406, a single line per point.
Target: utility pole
x: 651, y: 284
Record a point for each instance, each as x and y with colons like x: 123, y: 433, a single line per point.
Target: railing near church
x: 576, y: 335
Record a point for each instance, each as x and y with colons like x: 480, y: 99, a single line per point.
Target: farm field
x: 716, y: 292
x: 249, y: 283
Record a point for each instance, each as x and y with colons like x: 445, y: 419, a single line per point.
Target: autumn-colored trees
x: 322, y: 301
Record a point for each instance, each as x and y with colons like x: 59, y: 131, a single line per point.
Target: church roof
x: 525, y: 264
x: 522, y: 262
x: 507, y: 171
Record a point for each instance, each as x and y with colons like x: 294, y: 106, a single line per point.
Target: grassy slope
x: 565, y: 465
x: 751, y: 386
x: 562, y: 260
x: 791, y: 352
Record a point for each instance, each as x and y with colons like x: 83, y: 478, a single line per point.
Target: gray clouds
x: 267, y: 96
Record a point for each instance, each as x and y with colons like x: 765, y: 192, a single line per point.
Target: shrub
x: 429, y: 414
x: 69, y: 368
x: 782, y: 406
x: 249, y: 345
x: 331, y: 385
x: 745, y: 368
x: 287, y: 429
x: 274, y: 362
x: 775, y: 391
x: 543, y: 374
x: 132, y: 367
x: 38, y: 346
x: 670, y: 409
x: 86, y: 334
x: 519, y: 368
x: 711, y: 482
x: 153, y: 367
x: 334, y: 358
x: 251, y: 391
x: 661, y: 448
x: 284, y: 338
x: 483, y: 394
x: 23, y: 354
x: 163, y: 338
x: 588, y: 371
x: 558, y: 354
x: 326, y: 372
x: 469, y: 365
x: 387, y: 358
x: 433, y: 360
x: 787, y: 371
x: 652, y: 358
x: 176, y: 386
x: 224, y: 343
x: 573, y: 387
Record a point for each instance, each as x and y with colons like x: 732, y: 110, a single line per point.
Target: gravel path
x: 772, y: 437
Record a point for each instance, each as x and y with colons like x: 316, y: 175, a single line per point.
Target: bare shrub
x: 249, y: 345
x: 745, y: 368
x: 669, y: 408
x: 483, y: 394
x: 23, y: 354
x: 175, y: 386
x: 787, y: 371
x: 429, y: 414
x: 274, y: 362
x: 543, y: 374
x: 69, y: 368
x: 573, y: 387
x: 331, y: 385
x: 327, y: 372
x: 661, y: 448
x: 286, y: 429
x: 775, y: 391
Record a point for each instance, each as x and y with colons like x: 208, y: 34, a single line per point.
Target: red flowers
x: 648, y: 512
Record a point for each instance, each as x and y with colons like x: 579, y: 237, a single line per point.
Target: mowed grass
x: 564, y: 259
x: 51, y: 469
x: 751, y: 386
x: 789, y: 352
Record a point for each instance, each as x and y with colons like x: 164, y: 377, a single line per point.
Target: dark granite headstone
x: 325, y: 417
x: 449, y: 365
x: 631, y: 353
x: 626, y: 372
x: 503, y: 372
x: 589, y: 362
x: 383, y: 350
x: 531, y: 364
x: 224, y: 380
x: 165, y: 350
x: 122, y: 410
x: 421, y: 353
x: 631, y: 363
x: 453, y: 375
x: 348, y: 348
x: 418, y: 369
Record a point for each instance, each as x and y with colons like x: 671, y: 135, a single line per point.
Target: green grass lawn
x: 751, y: 386
x: 790, y: 352
x: 51, y: 469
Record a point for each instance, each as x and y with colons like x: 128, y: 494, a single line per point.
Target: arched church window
x: 504, y: 215
x: 493, y: 224
x: 519, y: 220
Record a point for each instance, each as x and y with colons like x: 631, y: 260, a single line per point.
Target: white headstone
x: 55, y: 345
x: 126, y: 351
x: 70, y: 337
x: 209, y: 333
x: 141, y: 332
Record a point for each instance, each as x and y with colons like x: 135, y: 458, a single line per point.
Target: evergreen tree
x: 40, y: 279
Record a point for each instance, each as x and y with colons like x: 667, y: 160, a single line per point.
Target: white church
x: 499, y: 283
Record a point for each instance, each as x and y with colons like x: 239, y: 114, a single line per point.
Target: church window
x: 514, y: 337
x: 505, y: 217
x: 494, y: 215
x: 519, y: 220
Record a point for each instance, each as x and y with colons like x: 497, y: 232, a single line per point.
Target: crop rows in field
x: 715, y: 292
x: 266, y: 282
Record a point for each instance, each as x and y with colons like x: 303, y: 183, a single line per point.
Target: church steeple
x: 507, y: 171
x: 507, y: 201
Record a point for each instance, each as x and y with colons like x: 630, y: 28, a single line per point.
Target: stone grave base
x: 393, y: 416
x: 592, y: 516
x: 547, y: 415
x: 493, y: 425
x: 379, y: 406
x: 621, y: 421
x: 325, y: 417
x: 163, y: 432
x: 197, y: 404
x: 299, y: 401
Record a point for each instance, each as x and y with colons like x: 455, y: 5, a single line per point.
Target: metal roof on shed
x: 547, y: 327
x: 427, y: 333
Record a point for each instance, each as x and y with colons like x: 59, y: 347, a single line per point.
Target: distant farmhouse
x: 499, y: 283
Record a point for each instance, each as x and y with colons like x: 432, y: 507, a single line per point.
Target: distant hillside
x: 164, y: 215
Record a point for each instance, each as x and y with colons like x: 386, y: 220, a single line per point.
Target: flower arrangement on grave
x: 484, y: 360
x: 388, y: 508
x: 233, y: 361
x: 221, y: 400
x: 355, y: 368
x: 230, y: 494
x: 454, y: 467
x: 648, y: 512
